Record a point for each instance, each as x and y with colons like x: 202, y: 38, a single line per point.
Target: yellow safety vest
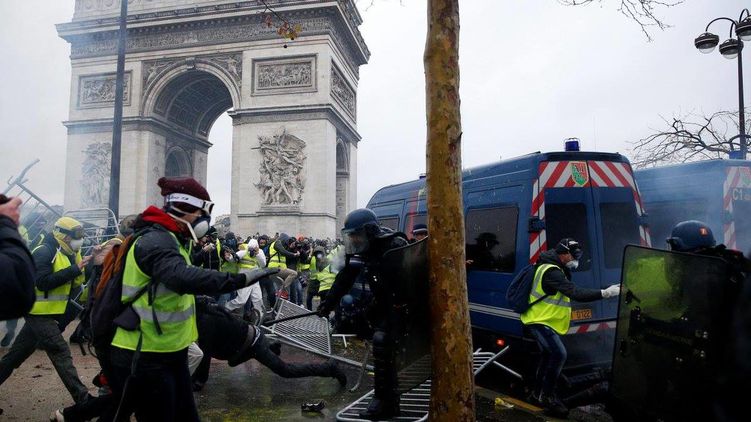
x: 54, y: 302
x: 313, y: 269
x: 248, y: 262
x: 553, y: 311
x: 175, y: 313
x: 303, y: 266
x: 276, y: 260
x: 325, y: 279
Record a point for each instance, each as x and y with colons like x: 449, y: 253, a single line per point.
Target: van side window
x: 390, y: 222
x: 412, y: 220
x: 491, y: 238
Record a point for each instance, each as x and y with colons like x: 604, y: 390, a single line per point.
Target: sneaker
x: 554, y: 407
x: 282, y: 294
x: 57, y: 416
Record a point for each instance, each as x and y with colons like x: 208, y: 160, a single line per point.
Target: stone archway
x: 293, y: 109
x: 189, y: 99
x: 177, y: 163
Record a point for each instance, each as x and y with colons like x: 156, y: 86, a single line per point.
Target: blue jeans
x: 295, y: 292
x: 552, y: 357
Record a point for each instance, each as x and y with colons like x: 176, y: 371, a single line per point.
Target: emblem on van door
x: 579, y: 173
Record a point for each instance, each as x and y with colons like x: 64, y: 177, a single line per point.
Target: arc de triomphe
x: 294, y: 142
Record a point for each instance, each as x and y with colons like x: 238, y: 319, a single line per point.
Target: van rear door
x: 562, y: 198
x: 598, y: 204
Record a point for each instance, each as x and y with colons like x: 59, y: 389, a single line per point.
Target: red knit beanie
x: 186, y: 185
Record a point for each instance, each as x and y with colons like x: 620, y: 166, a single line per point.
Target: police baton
x: 276, y: 321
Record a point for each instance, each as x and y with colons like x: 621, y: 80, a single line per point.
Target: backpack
x: 518, y: 291
x: 107, y: 308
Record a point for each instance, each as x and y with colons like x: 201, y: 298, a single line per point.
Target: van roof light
x: 572, y: 144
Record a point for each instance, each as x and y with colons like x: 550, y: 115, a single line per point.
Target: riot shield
x: 407, y: 269
x: 673, y: 324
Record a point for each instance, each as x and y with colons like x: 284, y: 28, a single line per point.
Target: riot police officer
x: 732, y: 376
x: 365, y: 242
x: 694, y: 236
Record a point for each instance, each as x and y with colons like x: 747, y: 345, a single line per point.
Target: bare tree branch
x: 643, y: 12
x: 688, y: 138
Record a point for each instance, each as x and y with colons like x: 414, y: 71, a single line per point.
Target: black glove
x: 256, y: 274
x: 323, y: 311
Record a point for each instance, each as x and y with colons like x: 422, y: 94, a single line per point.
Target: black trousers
x: 159, y: 390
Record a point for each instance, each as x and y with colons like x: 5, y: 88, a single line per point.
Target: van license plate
x: 579, y: 314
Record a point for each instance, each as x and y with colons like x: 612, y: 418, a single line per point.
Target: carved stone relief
x: 99, y: 90
x: 218, y: 32
x: 95, y: 175
x: 231, y: 63
x: 284, y: 76
x: 342, y: 92
x: 282, y: 179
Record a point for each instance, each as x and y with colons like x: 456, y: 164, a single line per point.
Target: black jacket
x: 346, y: 277
x: 158, y: 256
x: 206, y: 259
x: 17, y: 281
x: 44, y: 254
x: 560, y: 281
x: 281, y: 248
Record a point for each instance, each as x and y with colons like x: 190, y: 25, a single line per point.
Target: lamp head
x: 743, y: 29
x: 706, y: 42
x: 731, y: 48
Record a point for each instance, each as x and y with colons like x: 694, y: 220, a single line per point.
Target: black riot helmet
x: 690, y: 236
x: 360, y: 227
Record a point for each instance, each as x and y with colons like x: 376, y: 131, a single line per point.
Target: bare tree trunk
x: 452, y: 395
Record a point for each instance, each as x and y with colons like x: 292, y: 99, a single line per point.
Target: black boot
x: 553, y: 406
x: 385, y: 404
x: 380, y: 409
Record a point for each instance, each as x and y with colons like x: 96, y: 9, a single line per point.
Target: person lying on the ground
x: 223, y: 336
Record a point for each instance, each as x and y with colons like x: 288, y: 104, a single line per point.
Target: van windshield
x: 620, y: 226
x: 569, y: 220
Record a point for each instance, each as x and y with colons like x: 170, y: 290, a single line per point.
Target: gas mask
x: 200, y: 226
x: 573, y: 264
x: 76, y: 244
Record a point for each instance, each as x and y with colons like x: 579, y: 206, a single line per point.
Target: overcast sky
x: 533, y: 72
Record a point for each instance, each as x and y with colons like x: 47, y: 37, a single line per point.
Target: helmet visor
x: 355, y: 241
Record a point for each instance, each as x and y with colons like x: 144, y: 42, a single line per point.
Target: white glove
x: 611, y: 291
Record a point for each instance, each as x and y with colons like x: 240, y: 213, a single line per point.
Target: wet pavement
x: 251, y: 392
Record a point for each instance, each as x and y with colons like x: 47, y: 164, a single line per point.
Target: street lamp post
x: 731, y: 49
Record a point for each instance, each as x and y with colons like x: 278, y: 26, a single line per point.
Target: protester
x: 149, y: 361
x: 59, y: 268
x: 17, y: 283
x: 550, y: 315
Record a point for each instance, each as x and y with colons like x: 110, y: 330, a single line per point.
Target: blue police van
x: 517, y: 208
x: 717, y: 192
